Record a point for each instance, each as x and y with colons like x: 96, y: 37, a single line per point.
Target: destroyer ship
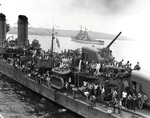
x: 83, y: 37
x: 69, y: 78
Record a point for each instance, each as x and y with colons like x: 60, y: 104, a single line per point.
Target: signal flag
x: 57, y: 41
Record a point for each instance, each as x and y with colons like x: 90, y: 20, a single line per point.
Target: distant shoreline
x: 66, y: 33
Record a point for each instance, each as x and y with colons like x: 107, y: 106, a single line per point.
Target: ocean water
x: 17, y: 101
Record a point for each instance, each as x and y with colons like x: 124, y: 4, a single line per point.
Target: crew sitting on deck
x: 120, y: 64
x: 127, y: 64
x: 137, y: 66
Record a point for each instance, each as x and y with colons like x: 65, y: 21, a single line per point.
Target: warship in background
x: 55, y: 89
x: 83, y: 37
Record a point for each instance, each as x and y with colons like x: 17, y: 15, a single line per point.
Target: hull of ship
x: 88, y: 42
x: 80, y: 107
x: 75, y: 105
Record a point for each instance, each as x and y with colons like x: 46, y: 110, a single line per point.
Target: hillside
x: 65, y: 33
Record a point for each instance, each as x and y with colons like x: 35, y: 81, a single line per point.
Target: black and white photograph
x: 74, y: 58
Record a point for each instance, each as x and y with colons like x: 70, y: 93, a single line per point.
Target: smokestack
x: 2, y: 27
x: 22, y: 30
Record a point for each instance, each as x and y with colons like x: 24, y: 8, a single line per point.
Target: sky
x: 131, y: 17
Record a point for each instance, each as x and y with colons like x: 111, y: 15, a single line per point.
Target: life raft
x: 61, y: 71
x: 56, y: 82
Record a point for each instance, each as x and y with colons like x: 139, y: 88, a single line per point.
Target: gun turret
x: 106, y: 52
x: 113, y: 40
x: 99, y: 55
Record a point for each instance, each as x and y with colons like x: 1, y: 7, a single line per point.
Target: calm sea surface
x: 17, y: 101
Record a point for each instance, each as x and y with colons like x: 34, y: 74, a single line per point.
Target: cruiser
x: 83, y: 37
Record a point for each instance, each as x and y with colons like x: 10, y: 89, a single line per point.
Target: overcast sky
x: 132, y: 17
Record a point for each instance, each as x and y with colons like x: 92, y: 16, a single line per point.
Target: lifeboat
x: 56, y: 82
x: 57, y: 79
x: 61, y: 71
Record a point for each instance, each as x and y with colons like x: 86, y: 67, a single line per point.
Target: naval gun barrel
x: 113, y: 40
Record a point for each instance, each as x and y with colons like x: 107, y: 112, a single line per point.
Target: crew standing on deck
x: 114, y: 94
x: 114, y: 104
x: 139, y: 96
x: 133, y: 105
x: 129, y: 100
x: 48, y: 78
x: 124, y: 97
x: 120, y: 106
x: 143, y: 100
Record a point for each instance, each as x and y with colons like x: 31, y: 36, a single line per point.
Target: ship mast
x: 52, y: 43
x: 53, y: 37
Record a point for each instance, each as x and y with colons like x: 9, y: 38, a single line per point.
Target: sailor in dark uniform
x: 137, y: 66
x: 133, y: 105
x: 120, y: 64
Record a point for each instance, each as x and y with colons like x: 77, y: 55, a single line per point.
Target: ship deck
x: 125, y: 113
x: 78, y: 105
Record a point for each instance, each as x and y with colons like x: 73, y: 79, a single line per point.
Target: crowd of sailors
x: 92, y: 91
x: 99, y: 92
x: 133, y: 100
